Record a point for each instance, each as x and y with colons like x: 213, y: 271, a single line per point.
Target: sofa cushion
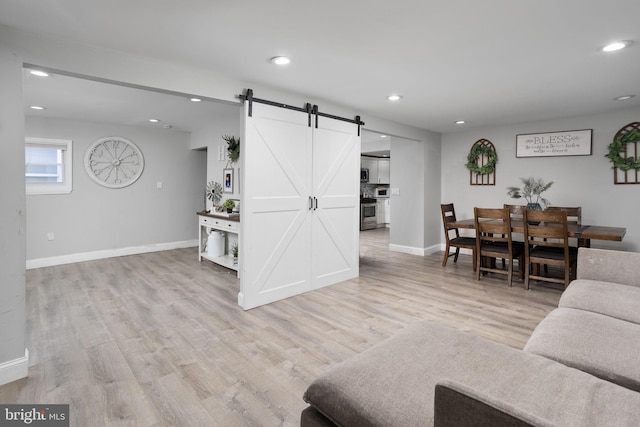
x: 457, y: 405
x: 393, y: 383
x: 608, y: 266
x: 603, y: 346
x: 611, y: 299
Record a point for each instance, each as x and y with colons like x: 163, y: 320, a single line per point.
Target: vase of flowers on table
x: 531, y: 191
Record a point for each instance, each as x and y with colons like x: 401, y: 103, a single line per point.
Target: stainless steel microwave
x: 381, y: 192
x: 364, y: 175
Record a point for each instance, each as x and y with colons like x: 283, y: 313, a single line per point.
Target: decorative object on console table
x: 229, y: 205
x: 626, y: 169
x: 214, y: 193
x: 481, y: 163
x: 234, y: 252
x: 227, y: 179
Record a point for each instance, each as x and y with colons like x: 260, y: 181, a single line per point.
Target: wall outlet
x: 395, y: 191
x: 159, y: 185
x: 51, y: 236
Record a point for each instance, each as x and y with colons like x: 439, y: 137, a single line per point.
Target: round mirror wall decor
x: 114, y: 162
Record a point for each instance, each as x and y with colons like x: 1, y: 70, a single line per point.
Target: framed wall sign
x: 227, y: 180
x: 565, y: 143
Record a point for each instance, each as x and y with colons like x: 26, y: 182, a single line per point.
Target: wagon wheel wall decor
x: 624, y: 153
x: 481, y: 163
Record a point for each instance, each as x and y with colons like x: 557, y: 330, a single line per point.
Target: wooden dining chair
x: 547, y: 243
x: 574, y: 215
x: 493, y: 240
x: 453, y: 237
x: 516, y: 213
x: 515, y: 210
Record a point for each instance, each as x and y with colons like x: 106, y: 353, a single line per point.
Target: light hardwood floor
x: 158, y: 340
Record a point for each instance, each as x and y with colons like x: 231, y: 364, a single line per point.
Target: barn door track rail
x: 310, y: 110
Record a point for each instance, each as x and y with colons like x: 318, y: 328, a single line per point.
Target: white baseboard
x: 108, y: 253
x: 414, y: 251
x: 14, y: 370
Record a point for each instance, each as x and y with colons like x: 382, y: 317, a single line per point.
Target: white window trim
x: 64, y: 187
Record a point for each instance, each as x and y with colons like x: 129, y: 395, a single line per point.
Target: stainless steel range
x: 368, y: 218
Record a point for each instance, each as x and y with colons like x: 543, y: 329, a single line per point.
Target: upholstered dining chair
x: 493, y: 240
x: 547, y: 243
x: 453, y: 237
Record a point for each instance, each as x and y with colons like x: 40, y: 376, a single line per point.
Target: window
x: 47, y: 166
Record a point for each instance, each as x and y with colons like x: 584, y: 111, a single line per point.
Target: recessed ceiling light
x: 154, y: 120
x: 394, y: 97
x: 280, y: 60
x: 623, y: 97
x: 39, y: 73
x: 459, y: 122
x: 612, y: 47
x: 37, y: 107
x: 383, y: 136
x: 195, y: 99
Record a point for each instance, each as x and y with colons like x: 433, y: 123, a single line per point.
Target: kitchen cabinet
x: 387, y: 211
x: 372, y: 165
x: 383, y: 212
x: 384, y: 171
x: 380, y: 212
x: 379, y: 170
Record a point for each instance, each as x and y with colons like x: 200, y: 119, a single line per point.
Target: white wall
x: 415, y: 173
x: 585, y: 181
x: 95, y: 218
x: 210, y: 137
x: 13, y: 361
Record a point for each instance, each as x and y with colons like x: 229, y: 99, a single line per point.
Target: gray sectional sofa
x: 580, y: 367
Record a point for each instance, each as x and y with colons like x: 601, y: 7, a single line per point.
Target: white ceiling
x: 79, y: 99
x: 488, y: 62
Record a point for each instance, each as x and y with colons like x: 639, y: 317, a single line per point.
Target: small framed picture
x: 227, y: 180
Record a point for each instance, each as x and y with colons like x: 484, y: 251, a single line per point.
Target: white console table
x: 230, y: 225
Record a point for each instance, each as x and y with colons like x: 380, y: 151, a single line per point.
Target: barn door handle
x: 315, y: 203
x: 310, y: 203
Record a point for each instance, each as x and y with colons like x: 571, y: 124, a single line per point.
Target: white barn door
x: 336, y: 185
x: 300, y: 204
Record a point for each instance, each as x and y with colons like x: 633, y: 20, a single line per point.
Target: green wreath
x: 617, y: 147
x: 482, y: 150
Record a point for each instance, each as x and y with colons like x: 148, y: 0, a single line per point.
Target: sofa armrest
x: 609, y: 266
x: 456, y: 405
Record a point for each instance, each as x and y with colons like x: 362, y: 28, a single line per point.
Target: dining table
x: 584, y: 233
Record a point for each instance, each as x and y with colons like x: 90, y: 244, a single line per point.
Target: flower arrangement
x: 234, y: 250
x: 233, y: 147
x: 531, y: 190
